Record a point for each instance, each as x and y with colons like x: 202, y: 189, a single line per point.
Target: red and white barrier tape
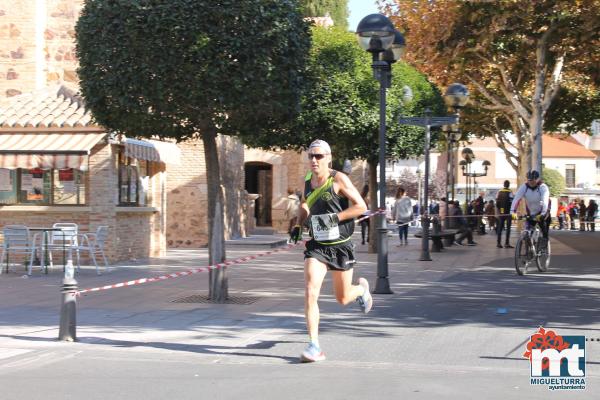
x: 370, y: 214
x: 469, y: 216
x: 203, y: 269
x: 188, y: 272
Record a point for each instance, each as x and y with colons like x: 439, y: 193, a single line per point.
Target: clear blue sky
x: 359, y: 9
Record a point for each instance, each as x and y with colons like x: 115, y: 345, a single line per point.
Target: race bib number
x: 324, y: 227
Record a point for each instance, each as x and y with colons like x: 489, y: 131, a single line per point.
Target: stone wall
x: 187, y: 195
x: 37, y: 44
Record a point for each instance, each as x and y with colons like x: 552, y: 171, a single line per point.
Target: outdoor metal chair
x: 18, y: 240
x: 65, y: 240
x: 94, y: 244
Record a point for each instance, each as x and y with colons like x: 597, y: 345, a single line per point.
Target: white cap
x: 322, y: 144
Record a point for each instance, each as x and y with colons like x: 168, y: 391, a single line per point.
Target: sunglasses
x: 317, y: 156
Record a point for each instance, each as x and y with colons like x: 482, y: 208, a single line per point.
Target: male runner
x: 330, y: 204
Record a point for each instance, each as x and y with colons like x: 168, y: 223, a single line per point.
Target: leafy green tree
x: 341, y: 104
x: 555, y: 181
x: 182, y: 69
x: 337, y: 9
x: 532, y: 65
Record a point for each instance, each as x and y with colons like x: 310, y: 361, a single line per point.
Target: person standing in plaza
x: 402, y: 213
x: 478, y: 209
x: 490, y: 213
x: 291, y: 210
x: 330, y: 204
x: 573, y: 209
x: 561, y: 214
x: 592, y: 212
x: 503, y: 202
x: 582, y: 215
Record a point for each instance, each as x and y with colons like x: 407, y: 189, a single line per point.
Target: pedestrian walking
x: 402, y: 214
x: 330, y: 204
x: 503, y: 202
x: 464, y: 230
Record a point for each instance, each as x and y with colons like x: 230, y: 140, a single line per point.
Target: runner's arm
x: 303, y: 213
x: 345, y: 186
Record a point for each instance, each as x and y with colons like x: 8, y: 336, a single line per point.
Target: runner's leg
x: 314, y: 273
x: 345, y: 291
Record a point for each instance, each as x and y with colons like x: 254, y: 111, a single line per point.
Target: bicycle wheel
x: 522, y: 255
x: 543, y: 256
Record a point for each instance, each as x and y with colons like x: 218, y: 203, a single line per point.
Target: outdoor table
x: 44, y: 253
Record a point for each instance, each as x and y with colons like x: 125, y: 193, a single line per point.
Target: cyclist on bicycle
x: 537, y: 200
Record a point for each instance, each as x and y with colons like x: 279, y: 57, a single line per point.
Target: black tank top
x: 326, y: 201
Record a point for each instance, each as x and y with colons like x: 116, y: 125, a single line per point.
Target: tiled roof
x: 54, y: 106
x: 555, y: 146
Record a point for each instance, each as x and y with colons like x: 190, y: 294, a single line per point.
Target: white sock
x: 315, y: 342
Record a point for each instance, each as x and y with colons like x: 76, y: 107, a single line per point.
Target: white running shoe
x: 312, y: 353
x: 366, y: 300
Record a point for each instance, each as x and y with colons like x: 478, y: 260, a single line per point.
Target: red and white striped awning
x: 47, y: 150
x: 153, y: 150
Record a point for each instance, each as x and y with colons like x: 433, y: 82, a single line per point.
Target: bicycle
x: 532, y: 245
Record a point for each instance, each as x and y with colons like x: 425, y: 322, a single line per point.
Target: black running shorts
x: 338, y: 257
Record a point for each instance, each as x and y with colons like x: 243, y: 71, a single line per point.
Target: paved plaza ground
x: 455, y: 327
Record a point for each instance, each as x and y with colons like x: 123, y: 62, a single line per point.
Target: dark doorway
x: 259, y: 180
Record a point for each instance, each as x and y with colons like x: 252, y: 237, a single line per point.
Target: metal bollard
x: 436, y: 242
x: 425, y: 239
x: 68, y: 307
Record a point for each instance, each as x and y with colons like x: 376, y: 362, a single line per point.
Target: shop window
x: 69, y: 186
x: 8, y: 186
x: 134, y: 181
x: 42, y: 186
x: 570, y: 175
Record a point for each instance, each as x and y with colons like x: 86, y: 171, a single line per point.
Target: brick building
x: 56, y: 165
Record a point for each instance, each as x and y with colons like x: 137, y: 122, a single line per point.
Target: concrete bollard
x: 68, y: 308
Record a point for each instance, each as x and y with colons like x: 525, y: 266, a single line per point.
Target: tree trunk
x: 536, y: 130
x: 373, y: 201
x: 217, y: 289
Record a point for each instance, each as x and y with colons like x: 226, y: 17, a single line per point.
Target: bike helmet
x: 533, y: 175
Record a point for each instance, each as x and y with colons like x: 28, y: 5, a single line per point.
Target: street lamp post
x: 463, y: 166
x: 469, y: 175
x: 468, y: 157
x: 456, y: 97
x: 377, y: 35
x: 486, y: 165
